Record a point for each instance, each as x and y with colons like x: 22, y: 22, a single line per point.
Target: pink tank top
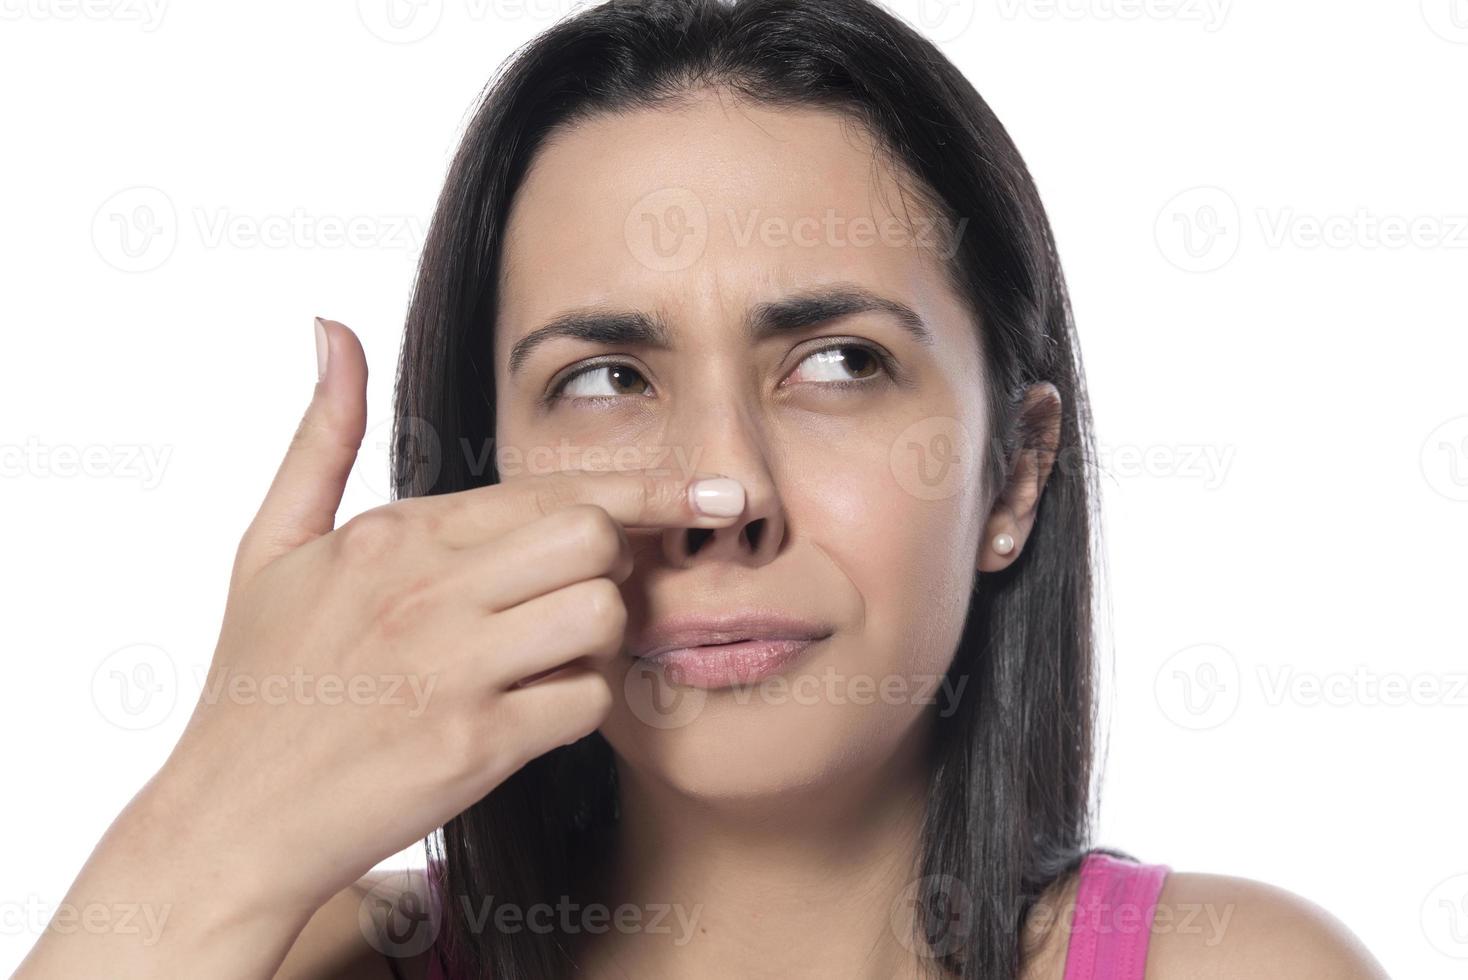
x: 1115, y: 903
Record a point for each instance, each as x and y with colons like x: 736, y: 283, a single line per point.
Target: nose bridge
x: 721, y: 432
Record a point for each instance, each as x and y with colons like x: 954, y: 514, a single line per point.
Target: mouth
x: 725, y: 651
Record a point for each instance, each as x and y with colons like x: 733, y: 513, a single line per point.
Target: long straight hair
x: 1008, y: 808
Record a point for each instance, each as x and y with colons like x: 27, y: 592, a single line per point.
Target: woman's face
x: 793, y: 331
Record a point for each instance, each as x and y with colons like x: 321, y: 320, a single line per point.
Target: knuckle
x: 553, y: 493
x: 605, y: 611
x: 657, y: 494
x: 372, y: 535
x: 600, y: 698
x: 596, y: 534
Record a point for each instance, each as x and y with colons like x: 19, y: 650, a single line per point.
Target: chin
x: 761, y: 744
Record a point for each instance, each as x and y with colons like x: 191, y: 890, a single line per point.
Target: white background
x: 1261, y: 209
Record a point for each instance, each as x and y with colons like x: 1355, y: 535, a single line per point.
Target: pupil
x: 858, y: 360
x: 623, y: 378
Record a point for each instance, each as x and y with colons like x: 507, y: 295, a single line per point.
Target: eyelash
x: 884, y: 360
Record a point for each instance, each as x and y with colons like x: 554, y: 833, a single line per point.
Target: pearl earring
x: 1003, y: 544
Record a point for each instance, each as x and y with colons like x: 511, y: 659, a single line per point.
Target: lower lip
x: 729, y: 664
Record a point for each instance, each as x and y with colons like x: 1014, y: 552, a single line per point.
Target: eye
x: 604, y: 380
x: 840, y: 365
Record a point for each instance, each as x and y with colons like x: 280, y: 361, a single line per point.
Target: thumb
x: 301, y: 503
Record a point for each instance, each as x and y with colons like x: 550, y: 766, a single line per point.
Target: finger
x: 586, y: 621
x: 562, y: 708
x: 572, y: 545
x: 302, y: 500
x: 633, y: 499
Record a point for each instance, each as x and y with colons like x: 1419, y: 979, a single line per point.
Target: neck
x: 806, y: 883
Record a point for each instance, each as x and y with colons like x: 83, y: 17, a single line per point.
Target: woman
x: 742, y: 568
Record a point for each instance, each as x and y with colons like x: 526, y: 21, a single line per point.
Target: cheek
x: 909, y: 555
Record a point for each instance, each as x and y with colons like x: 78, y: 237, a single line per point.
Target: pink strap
x: 1113, y: 918
x: 435, y: 972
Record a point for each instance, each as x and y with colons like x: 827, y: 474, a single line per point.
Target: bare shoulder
x: 1210, y: 927
x: 351, y: 935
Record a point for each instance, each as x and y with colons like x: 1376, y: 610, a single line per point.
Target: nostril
x: 696, y: 538
x: 753, y: 531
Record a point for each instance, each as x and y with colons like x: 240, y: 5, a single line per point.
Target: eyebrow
x: 801, y: 311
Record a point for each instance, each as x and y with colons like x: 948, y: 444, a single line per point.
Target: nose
x: 732, y: 446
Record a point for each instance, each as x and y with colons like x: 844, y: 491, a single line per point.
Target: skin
x: 791, y: 826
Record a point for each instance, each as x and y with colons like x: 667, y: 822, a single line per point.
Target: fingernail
x: 717, y: 497
x: 323, y: 349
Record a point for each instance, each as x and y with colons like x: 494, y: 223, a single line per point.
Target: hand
x: 367, y: 683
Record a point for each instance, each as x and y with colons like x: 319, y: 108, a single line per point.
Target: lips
x: 728, y: 649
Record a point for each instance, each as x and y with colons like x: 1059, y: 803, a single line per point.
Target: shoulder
x: 353, y: 933
x: 1209, y: 925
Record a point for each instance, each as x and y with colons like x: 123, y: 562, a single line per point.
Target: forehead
x: 707, y: 208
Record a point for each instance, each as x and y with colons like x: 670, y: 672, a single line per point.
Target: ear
x: 1014, y: 510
